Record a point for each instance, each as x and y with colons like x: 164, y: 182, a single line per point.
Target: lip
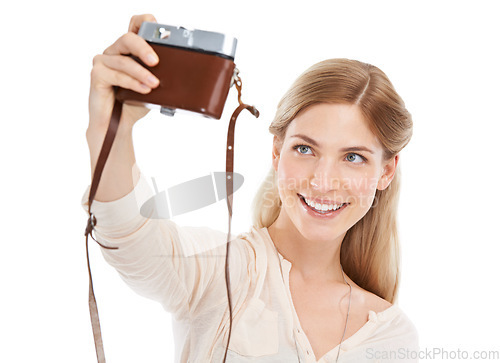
x: 315, y: 214
x: 321, y: 201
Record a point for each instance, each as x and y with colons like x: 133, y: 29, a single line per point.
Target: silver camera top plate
x: 201, y: 40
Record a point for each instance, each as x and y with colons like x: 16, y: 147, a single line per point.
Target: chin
x: 326, y: 229
x: 320, y: 233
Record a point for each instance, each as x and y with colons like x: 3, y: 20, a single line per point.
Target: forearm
x: 119, y: 173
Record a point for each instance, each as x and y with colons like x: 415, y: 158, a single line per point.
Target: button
x: 298, y: 331
x: 308, y: 352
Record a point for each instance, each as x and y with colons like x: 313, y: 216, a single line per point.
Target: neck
x: 314, y: 259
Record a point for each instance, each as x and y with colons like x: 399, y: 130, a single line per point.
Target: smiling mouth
x: 321, y: 208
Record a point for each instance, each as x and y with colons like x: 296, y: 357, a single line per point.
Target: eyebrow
x: 349, y: 148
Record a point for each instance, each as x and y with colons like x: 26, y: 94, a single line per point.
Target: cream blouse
x: 183, y: 269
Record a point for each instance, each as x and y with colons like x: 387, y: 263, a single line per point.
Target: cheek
x: 292, y: 178
x: 291, y: 174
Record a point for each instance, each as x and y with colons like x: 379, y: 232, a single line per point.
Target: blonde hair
x: 370, y: 249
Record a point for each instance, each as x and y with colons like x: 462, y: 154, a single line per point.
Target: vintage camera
x: 195, y: 70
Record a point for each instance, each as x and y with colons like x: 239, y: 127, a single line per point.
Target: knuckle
x: 95, y: 75
x: 121, y: 62
x: 148, y: 17
x: 94, y: 72
x: 108, y: 49
x: 129, y: 38
x: 114, y: 79
x: 97, y: 60
x: 124, y: 37
x: 133, y: 20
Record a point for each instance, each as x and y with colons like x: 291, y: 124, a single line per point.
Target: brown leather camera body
x: 192, y: 80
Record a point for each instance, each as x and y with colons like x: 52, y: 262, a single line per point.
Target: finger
x: 127, y: 65
x: 103, y: 77
x: 131, y: 43
x: 137, y: 20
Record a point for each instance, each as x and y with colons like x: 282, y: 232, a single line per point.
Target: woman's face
x: 330, y: 160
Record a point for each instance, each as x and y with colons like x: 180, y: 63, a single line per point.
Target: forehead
x: 331, y: 124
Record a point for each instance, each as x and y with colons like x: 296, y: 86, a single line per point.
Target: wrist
x: 97, y: 133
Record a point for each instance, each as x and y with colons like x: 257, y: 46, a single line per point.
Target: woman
x: 315, y: 277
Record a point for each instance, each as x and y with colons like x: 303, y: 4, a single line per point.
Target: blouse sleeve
x: 181, y: 267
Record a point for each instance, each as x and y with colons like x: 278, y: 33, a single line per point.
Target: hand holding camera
x: 115, y: 68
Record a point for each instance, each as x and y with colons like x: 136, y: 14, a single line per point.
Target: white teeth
x: 322, y: 207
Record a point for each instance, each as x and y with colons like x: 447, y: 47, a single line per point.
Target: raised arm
x: 181, y: 267
x: 114, y: 68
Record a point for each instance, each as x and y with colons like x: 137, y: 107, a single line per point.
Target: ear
x: 276, y: 152
x: 388, y: 173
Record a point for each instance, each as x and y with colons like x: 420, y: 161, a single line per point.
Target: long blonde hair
x: 370, y: 250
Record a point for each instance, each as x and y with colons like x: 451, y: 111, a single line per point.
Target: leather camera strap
x: 229, y: 196
x: 92, y: 221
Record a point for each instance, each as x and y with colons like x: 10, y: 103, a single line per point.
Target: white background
x: 442, y: 57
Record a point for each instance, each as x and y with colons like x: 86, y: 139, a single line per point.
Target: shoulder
x: 387, y: 328
x: 387, y: 318
x: 365, y: 301
x: 254, y: 241
x: 374, y: 302
x: 390, y: 323
x: 388, y: 336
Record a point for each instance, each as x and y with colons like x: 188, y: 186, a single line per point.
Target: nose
x: 326, y: 177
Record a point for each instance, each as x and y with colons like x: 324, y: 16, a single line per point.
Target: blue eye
x: 351, y: 157
x: 302, y: 149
